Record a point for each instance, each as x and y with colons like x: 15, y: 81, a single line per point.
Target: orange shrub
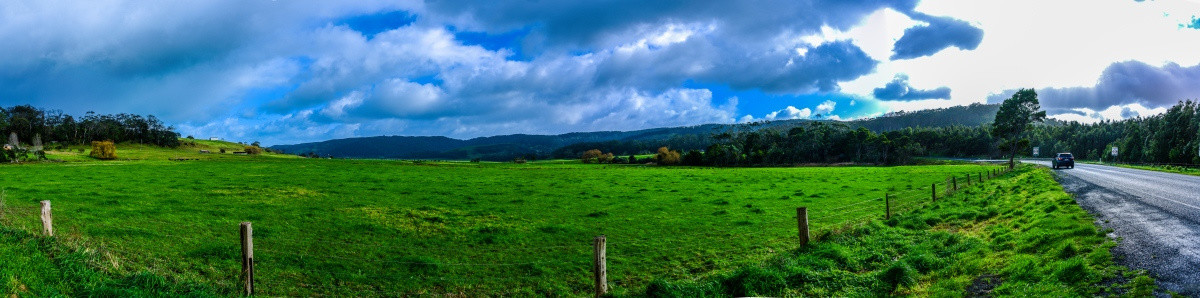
x: 104, y: 150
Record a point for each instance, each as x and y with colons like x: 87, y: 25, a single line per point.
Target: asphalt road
x: 1156, y: 215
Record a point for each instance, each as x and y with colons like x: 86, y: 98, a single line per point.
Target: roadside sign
x: 1114, y: 151
x: 1035, y: 150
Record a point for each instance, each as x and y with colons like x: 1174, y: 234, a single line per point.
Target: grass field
x: 1018, y: 236
x: 369, y: 227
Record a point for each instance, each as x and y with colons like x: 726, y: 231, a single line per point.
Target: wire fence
x: 323, y: 267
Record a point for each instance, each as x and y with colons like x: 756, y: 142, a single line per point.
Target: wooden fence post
x: 954, y: 179
x: 600, y: 267
x: 802, y: 224
x: 247, y: 258
x: 47, y: 220
x: 933, y: 191
x: 980, y: 177
x: 887, y: 204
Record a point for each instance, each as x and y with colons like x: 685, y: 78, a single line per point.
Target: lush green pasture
x: 1019, y: 236
x: 367, y: 227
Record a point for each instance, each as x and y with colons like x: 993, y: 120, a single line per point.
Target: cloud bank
x: 1120, y: 85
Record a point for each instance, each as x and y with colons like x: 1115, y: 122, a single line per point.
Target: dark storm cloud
x: 899, y: 89
x: 940, y: 33
x: 1123, y: 83
x: 593, y: 25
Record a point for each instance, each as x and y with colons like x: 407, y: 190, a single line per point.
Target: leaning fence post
x: 887, y: 204
x: 600, y: 268
x: 47, y: 220
x: 933, y: 191
x: 802, y: 224
x: 247, y: 258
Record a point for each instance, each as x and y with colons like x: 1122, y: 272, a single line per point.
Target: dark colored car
x: 1063, y: 160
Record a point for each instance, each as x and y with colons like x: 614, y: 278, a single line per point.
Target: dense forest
x: 34, y: 126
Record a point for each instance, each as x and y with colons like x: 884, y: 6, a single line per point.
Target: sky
x: 283, y: 72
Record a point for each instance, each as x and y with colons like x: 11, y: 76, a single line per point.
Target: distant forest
x: 33, y: 125
x: 1171, y: 137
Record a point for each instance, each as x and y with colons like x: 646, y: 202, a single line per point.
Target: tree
x: 591, y: 156
x: 1016, y: 116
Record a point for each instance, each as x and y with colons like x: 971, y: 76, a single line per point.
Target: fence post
x: 980, y: 177
x: 600, y: 268
x: 47, y: 220
x: 933, y: 191
x: 887, y: 204
x: 802, y: 224
x: 954, y: 179
x: 247, y: 258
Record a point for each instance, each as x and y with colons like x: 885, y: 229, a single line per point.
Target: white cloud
x: 826, y: 107
x: 789, y: 113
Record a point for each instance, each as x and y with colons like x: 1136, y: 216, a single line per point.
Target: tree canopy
x: 1016, y: 116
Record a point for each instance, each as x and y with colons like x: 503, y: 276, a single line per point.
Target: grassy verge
x: 1020, y: 235
x: 1158, y: 168
x: 36, y: 266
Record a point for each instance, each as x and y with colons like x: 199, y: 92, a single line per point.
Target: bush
x: 104, y: 150
x: 667, y: 156
x: 253, y: 150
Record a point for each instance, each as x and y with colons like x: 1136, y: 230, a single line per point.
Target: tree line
x: 1171, y: 137
x: 33, y: 125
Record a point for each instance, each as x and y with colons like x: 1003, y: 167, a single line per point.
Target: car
x: 1063, y: 160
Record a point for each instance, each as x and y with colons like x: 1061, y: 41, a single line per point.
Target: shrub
x: 104, y: 150
x: 253, y: 150
x: 667, y: 156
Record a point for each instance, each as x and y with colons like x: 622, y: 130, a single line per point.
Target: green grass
x: 1016, y: 236
x: 189, y: 150
x: 373, y: 227
x: 1159, y: 168
x: 41, y: 267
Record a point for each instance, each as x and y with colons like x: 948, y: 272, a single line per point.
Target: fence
x: 596, y: 265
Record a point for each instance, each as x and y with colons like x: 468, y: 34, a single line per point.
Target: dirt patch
x: 983, y: 285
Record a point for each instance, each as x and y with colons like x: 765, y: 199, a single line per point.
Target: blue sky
x: 284, y: 72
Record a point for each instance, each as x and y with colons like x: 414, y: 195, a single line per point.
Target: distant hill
x: 506, y: 147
